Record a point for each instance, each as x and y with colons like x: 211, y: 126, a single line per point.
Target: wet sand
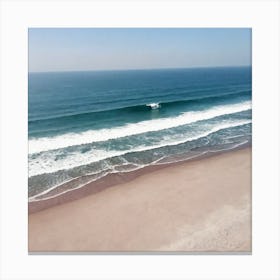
x: 197, y: 206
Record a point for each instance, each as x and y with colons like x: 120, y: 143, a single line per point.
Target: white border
x: 262, y: 16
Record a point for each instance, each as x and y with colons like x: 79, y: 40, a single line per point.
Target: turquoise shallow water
x: 87, y: 124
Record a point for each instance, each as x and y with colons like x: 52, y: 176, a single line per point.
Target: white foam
x: 48, y: 163
x: 154, y: 106
x: 35, y: 197
x: 156, y: 162
x: 72, y: 139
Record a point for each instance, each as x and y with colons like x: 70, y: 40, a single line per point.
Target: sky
x: 78, y: 49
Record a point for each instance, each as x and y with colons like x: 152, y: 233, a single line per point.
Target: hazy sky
x: 68, y: 49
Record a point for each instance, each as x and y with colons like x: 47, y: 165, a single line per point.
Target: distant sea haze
x: 86, y: 125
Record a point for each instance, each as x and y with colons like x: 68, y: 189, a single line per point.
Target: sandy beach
x: 197, y: 206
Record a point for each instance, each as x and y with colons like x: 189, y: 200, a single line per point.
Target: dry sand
x: 198, y: 206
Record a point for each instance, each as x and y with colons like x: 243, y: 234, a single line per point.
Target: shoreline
x: 196, y: 206
x: 111, y: 180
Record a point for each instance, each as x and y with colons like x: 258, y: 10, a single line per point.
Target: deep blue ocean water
x: 84, y: 125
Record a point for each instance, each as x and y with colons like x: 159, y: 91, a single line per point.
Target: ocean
x: 83, y: 126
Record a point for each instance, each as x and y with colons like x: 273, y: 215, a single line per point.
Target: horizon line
x: 139, y: 69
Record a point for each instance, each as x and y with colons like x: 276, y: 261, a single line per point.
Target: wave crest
x: 47, y: 163
x: 153, y: 106
x: 38, y: 145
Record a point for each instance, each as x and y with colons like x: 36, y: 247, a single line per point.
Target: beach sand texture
x: 197, y: 206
